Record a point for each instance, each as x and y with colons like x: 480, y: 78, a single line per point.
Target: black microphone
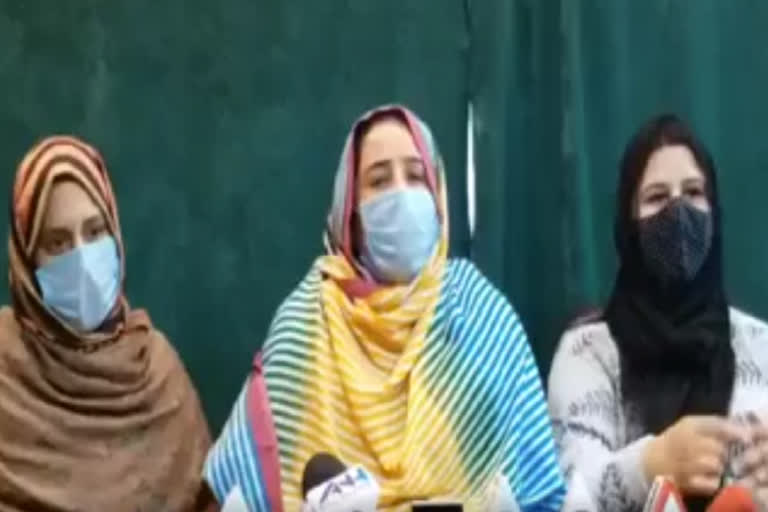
x: 320, y: 468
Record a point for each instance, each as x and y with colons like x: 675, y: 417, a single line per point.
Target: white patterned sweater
x: 599, y: 448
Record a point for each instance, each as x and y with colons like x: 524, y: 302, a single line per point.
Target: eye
x: 416, y: 172
x: 95, y: 232
x: 694, y: 192
x: 378, y: 181
x: 379, y: 177
x: 656, y: 198
x: 57, y: 245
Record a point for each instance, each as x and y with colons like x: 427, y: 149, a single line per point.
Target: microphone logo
x: 354, y: 490
x: 344, y: 482
x: 331, y: 489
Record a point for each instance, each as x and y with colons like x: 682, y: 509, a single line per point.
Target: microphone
x: 733, y: 499
x: 329, y: 487
x: 437, y: 506
x: 235, y: 501
x: 663, y: 497
x: 320, y: 468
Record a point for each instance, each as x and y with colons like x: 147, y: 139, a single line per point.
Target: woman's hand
x: 693, y: 452
x: 753, y: 467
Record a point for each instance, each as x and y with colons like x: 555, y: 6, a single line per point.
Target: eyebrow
x: 653, y: 187
x: 699, y: 180
x: 95, y: 218
x: 377, y: 165
x: 54, y: 231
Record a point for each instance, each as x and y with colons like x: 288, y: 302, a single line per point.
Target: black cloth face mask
x: 675, y: 241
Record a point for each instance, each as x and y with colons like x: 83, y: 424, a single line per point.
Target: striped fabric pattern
x: 233, y: 463
x: 469, y: 407
x: 101, y: 420
x: 60, y: 157
x: 429, y: 385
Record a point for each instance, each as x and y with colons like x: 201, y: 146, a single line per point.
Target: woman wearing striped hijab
x: 97, y: 411
x: 391, y: 356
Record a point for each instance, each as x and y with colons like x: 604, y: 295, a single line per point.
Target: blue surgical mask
x: 82, y: 286
x: 401, y: 229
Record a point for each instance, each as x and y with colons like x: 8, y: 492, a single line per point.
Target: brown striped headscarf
x: 88, y: 422
x: 52, y: 160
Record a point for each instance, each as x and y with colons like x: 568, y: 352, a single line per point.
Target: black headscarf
x: 674, y: 340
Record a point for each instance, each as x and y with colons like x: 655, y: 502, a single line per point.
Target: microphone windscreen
x: 663, y: 497
x: 733, y: 499
x: 320, y: 468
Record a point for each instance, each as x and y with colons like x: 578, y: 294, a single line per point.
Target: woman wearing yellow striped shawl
x: 391, y: 356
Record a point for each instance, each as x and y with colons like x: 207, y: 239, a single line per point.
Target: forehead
x: 387, y: 138
x: 69, y: 205
x: 671, y: 164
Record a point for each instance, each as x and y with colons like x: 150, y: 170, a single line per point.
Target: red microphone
x: 663, y: 497
x: 733, y: 499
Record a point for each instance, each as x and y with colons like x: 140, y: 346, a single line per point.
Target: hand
x: 753, y: 467
x: 693, y: 453
x: 754, y: 463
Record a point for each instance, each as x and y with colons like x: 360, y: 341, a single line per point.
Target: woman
x: 97, y: 411
x: 659, y: 386
x: 390, y: 356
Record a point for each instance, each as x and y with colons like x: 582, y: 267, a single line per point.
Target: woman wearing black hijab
x: 669, y: 381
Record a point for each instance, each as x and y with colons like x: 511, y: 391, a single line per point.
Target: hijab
x: 674, y: 339
x: 429, y: 385
x: 342, y: 235
x: 53, y: 160
x: 112, y: 410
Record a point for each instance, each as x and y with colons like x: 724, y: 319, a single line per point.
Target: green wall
x: 222, y: 123
x: 560, y: 86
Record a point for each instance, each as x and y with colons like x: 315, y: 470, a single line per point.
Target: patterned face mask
x: 676, y: 241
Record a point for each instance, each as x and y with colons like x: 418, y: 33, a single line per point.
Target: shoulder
x: 590, y: 342
x: 167, y: 365
x: 747, y: 327
x: 141, y: 331
x: 162, y: 351
x: 11, y: 345
x: 8, y: 322
x: 472, y: 290
x: 593, y: 336
x: 303, y: 298
x: 303, y: 294
x: 296, y: 314
x: 460, y: 272
x: 472, y: 308
x: 162, y: 345
x: 584, y: 376
x: 749, y: 335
